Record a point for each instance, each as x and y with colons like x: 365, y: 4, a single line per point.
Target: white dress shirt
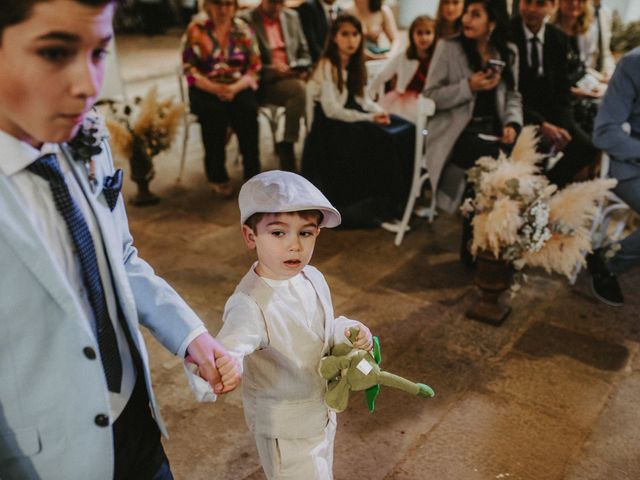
x: 528, y: 35
x: 41, y: 210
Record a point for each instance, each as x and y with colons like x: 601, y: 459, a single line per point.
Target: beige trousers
x: 299, y: 458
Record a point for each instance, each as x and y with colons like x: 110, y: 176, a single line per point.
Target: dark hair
x: 253, y: 221
x: 375, y: 5
x: 357, y: 77
x: 13, y: 12
x: 412, y: 49
x: 497, y: 12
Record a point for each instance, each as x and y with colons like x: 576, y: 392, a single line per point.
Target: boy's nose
x: 294, y: 245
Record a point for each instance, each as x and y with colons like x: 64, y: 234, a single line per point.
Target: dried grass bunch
x: 520, y: 217
x: 150, y: 130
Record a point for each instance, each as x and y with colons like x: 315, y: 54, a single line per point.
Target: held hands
x: 381, y: 119
x: 508, y: 135
x: 484, y: 80
x: 363, y: 341
x: 214, y: 363
x: 558, y: 136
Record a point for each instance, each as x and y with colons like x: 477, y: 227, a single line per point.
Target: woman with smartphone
x: 473, y: 82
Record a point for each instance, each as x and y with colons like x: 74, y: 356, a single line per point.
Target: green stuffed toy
x: 350, y: 369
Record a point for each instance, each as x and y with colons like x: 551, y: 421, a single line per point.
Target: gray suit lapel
x: 262, y: 35
x: 291, y: 54
x: 22, y: 237
x: 108, y: 232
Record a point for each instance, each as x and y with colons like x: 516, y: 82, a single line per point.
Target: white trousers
x: 298, y: 458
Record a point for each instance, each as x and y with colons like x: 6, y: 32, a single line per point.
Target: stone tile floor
x: 551, y: 394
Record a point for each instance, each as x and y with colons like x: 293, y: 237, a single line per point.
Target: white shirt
x: 528, y: 35
x: 41, y: 210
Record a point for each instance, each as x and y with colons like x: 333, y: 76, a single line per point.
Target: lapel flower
x: 86, y: 143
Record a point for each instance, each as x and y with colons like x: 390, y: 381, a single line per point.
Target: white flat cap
x: 279, y: 192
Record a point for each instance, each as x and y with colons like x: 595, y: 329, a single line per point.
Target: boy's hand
x: 364, y: 340
x: 204, y: 351
x: 229, y: 371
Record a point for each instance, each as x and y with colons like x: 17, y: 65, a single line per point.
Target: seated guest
x: 358, y: 155
x: 316, y: 17
x: 286, y: 62
x: 221, y: 63
x: 603, y: 24
x: 619, y: 108
x: 473, y: 81
x: 377, y: 18
x: 448, y: 18
x: 575, y: 19
x: 409, y: 70
x: 545, y: 88
x: 478, y: 106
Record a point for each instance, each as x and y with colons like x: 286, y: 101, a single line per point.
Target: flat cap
x: 279, y: 192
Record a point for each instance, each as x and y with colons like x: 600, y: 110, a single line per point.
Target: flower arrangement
x: 150, y: 131
x: 521, y: 218
x: 141, y: 136
x: 87, y: 142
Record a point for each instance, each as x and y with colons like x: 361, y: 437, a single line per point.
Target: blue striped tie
x: 48, y: 168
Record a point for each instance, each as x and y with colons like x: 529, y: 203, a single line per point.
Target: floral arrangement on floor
x: 149, y: 131
x: 521, y: 218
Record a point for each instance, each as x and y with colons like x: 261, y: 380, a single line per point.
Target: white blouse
x: 322, y: 88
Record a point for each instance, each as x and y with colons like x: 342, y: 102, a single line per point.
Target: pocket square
x: 111, y: 188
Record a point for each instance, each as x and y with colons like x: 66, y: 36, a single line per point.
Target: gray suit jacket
x: 294, y: 39
x: 448, y: 86
x: 50, y: 392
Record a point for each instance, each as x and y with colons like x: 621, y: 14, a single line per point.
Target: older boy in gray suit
x: 620, y: 107
x: 75, y: 391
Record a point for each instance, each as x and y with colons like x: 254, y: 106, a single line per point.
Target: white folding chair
x: 426, y: 108
x: 188, y: 119
x: 600, y: 228
x: 273, y: 114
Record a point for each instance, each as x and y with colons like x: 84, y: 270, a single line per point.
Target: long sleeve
x: 332, y: 100
x: 616, y: 109
x: 446, y: 95
x: 243, y: 331
x: 388, y: 71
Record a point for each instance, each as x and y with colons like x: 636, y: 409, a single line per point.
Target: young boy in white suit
x: 76, y: 401
x: 279, y: 322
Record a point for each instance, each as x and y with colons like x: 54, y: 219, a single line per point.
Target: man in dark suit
x: 285, y: 65
x: 316, y: 17
x: 545, y: 88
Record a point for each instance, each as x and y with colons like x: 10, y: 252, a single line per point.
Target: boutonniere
x: 86, y: 143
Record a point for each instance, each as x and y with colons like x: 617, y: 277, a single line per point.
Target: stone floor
x: 551, y: 394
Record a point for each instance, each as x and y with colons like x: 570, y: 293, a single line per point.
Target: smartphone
x: 496, y: 65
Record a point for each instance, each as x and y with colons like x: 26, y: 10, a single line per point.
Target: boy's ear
x: 249, y: 237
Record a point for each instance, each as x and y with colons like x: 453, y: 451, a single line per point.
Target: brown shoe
x: 224, y: 190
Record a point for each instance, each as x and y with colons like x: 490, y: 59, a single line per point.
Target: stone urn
x: 492, y: 277
x: 141, y: 173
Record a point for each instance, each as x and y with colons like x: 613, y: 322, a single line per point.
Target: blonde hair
x: 583, y: 23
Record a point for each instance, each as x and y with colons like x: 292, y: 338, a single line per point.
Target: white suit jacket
x: 50, y: 392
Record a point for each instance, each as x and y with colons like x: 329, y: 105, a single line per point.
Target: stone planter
x: 492, y: 277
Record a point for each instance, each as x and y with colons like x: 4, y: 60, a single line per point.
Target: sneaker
x: 604, y: 283
x: 394, y: 226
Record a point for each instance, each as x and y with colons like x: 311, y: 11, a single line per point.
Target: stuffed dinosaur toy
x: 349, y: 368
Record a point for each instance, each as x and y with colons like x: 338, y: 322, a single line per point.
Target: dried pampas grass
x: 577, y: 204
x: 499, y: 227
x: 524, y: 151
x: 121, y: 138
x: 561, y: 253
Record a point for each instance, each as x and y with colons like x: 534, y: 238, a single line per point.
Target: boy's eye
x: 306, y: 234
x: 56, y: 54
x: 100, y: 54
x: 277, y: 233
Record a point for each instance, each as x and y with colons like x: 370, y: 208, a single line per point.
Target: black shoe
x: 287, y: 156
x: 604, y: 284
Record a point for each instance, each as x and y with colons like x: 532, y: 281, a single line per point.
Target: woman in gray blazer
x: 473, y: 82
